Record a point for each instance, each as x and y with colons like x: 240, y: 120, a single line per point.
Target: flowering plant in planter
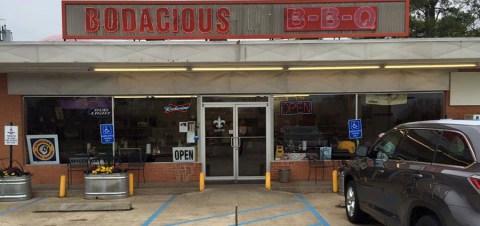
x: 14, y: 171
x: 99, y: 169
x: 106, y: 182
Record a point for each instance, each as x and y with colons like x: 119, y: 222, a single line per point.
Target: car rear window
x: 453, y: 149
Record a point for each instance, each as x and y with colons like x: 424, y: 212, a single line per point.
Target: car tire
x: 352, y: 207
x: 428, y: 220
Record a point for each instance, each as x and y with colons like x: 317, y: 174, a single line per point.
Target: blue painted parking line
x: 316, y: 224
x: 21, y: 206
x: 272, y: 217
x: 322, y: 221
x: 159, y: 211
x: 239, y: 212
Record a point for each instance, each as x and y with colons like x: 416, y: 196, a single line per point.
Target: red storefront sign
x: 161, y: 20
x: 331, y: 18
x: 233, y: 19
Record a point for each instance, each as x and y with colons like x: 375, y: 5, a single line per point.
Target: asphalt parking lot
x: 214, y: 206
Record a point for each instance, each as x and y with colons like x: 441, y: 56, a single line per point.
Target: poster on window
x: 43, y: 149
x: 386, y: 99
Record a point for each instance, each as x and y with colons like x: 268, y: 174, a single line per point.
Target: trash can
x: 284, y: 175
x: 341, y: 181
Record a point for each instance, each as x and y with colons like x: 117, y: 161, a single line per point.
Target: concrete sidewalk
x: 52, y: 190
x: 218, y: 204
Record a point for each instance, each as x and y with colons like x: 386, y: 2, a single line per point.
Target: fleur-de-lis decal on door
x: 219, y: 122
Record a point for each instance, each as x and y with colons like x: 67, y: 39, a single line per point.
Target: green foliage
x: 444, y: 18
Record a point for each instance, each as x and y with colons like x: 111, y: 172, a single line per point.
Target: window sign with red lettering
x: 296, y: 107
x: 244, y: 19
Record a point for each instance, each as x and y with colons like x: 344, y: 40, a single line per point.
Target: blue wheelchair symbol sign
x: 354, y: 124
x: 107, y: 133
x: 107, y: 129
x: 355, y: 128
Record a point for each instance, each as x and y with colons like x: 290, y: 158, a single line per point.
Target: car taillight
x: 475, y: 181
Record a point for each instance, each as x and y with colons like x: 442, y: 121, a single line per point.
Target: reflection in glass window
x: 418, y: 145
x: 381, y: 112
x: 153, y: 125
x: 76, y: 121
x: 312, y: 121
x: 453, y: 149
x: 386, y: 146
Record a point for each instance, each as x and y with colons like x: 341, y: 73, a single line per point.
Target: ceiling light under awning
x: 144, y: 69
x: 237, y: 68
x: 347, y: 67
x: 406, y: 66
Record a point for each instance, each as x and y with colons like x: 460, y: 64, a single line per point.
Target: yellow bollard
x: 202, y: 181
x: 130, y: 184
x: 61, y: 193
x: 267, y: 181
x: 335, y: 181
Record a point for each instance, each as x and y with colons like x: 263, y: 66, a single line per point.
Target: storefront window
x: 74, y: 120
x: 155, y: 125
x: 308, y: 122
x: 381, y: 112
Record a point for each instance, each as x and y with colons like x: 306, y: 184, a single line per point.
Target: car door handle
x: 417, y: 176
x: 380, y: 171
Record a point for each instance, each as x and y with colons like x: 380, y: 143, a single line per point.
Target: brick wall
x: 11, y: 111
x: 50, y: 174
x: 171, y: 172
x: 154, y: 172
x: 299, y: 170
x: 458, y: 112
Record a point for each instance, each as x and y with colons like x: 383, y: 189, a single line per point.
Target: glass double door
x: 235, y: 141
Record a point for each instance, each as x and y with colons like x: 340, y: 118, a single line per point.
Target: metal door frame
x: 235, y: 106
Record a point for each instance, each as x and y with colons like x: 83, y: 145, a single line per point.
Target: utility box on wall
x: 472, y: 117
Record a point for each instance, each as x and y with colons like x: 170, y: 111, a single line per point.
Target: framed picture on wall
x: 43, y: 149
x: 325, y: 153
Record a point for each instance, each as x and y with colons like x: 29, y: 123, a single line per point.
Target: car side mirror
x: 361, y: 151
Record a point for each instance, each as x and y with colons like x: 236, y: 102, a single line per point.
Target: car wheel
x: 428, y: 220
x: 354, y: 213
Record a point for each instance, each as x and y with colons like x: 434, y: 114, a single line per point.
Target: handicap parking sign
x: 107, y: 133
x: 355, y: 128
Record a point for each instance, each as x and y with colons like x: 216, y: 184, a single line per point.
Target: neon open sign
x: 296, y: 107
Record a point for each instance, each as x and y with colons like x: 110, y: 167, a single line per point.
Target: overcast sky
x: 32, y: 20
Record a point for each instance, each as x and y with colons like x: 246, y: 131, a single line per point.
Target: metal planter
x: 15, y: 188
x: 106, y: 186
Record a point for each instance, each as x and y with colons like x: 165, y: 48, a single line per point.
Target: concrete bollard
x: 62, y: 191
x: 334, y: 181
x: 202, y: 181
x: 267, y: 181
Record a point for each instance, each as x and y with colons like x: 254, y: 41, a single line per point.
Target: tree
x: 444, y: 18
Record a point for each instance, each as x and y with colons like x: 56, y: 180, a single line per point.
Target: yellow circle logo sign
x: 43, y: 149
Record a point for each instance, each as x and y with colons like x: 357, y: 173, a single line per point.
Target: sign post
x: 11, y: 138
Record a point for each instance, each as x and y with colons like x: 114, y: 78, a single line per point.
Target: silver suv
x: 418, y: 174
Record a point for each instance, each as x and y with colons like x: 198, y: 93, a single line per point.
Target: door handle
x: 231, y: 142
x: 417, y: 176
x: 381, y: 171
x: 239, y: 142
